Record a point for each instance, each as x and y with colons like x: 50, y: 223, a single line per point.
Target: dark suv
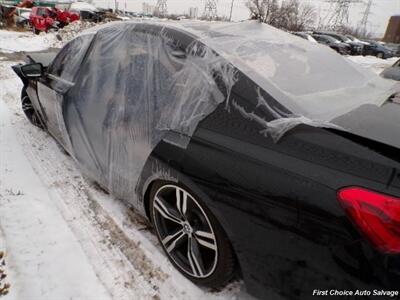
x: 356, y: 48
x: 377, y: 49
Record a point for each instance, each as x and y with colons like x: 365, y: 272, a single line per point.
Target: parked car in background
x: 42, y: 19
x: 193, y: 134
x: 305, y: 36
x: 394, y: 47
x: 356, y: 48
x: 65, y: 16
x: 21, y: 16
x: 45, y: 18
x: 392, y: 72
x: 7, y: 15
x: 378, y: 49
x: 86, y: 11
x: 354, y: 39
x: 333, y: 43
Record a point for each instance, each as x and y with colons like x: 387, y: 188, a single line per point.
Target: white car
x: 21, y: 16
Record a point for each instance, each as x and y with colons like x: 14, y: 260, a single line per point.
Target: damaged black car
x: 253, y: 153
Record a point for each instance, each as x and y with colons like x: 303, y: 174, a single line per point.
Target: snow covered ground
x: 373, y: 63
x: 64, y: 238
x: 12, y: 41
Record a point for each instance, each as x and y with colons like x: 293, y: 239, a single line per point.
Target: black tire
x: 225, y: 265
x: 34, y: 30
x: 29, y: 111
x: 380, y: 55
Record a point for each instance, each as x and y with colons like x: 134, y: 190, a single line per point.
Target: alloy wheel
x: 185, y: 231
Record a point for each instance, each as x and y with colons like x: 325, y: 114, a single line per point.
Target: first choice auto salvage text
x: 335, y: 292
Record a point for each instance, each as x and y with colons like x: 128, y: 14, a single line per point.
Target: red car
x: 64, y: 17
x: 42, y: 19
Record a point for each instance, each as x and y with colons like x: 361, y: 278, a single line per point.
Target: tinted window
x: 69, y: 59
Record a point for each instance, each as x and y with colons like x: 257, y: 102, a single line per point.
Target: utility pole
x: 340, y: 12
x: 161, y: 8
x: 210, y: 9
x: 364, y: 20
x: 230, y: 15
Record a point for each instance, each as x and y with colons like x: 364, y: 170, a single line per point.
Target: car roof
x: 326, y: 36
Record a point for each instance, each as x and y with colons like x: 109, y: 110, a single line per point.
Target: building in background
x: 193, y: 12
x: 148, y: 9
x: 392, y: 34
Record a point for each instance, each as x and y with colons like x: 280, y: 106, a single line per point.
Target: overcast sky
x: 380, y: 12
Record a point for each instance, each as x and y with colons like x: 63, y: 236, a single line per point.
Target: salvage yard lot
x: 64, y: 237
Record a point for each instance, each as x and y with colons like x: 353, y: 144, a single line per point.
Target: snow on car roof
x: 309, y: 79
x: 83, y: 6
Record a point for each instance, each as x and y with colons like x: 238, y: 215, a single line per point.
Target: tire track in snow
x: 97, y: 232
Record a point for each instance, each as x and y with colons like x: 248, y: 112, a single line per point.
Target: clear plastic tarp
x: 133, y: 87
x: 309, y: 79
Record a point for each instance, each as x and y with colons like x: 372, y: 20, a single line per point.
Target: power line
x: 364, y: 20
x: 210, y: 9
x: 161, y: 8
x: 340, y: 12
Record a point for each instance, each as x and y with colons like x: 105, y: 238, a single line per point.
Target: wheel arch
x: 169, y: 174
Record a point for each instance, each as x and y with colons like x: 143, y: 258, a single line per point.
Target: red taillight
x: 377, y: 216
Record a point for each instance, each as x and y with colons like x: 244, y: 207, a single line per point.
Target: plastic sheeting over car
x: 309, y: 79
x: 136, y: 87
x: 131, y: 91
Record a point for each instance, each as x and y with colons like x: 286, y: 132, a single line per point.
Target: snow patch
x: 11, y: 41
x: 377, y: 65
x: 44, y: 257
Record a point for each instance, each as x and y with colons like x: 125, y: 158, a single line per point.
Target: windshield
x: 343, y: 38
x: 332, y: 39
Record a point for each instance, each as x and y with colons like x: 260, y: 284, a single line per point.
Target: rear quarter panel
x: 277, y: 203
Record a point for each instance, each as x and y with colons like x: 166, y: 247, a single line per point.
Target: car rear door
x: 59, y: 79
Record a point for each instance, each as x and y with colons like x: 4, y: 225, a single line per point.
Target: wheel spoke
x: 170, y: 241
x: 194, y: 257
x: 27, y: 106
x: 165, y: 211
x: 192, y: 245
x: 206, y: 239
x: 181, y: 202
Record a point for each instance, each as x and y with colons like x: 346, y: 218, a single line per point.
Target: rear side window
x: 69, y: 59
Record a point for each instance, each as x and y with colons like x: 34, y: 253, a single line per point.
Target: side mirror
x: 32, y: 70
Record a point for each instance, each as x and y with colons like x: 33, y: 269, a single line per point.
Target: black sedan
x: 335, y: 44
x: 253, y: 153
x: 356, y: 47
x: 377, y: 49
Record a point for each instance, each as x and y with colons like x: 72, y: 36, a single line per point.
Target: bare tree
x: 299, y: 16
x: 289, y: 14
x: 263, y: 10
